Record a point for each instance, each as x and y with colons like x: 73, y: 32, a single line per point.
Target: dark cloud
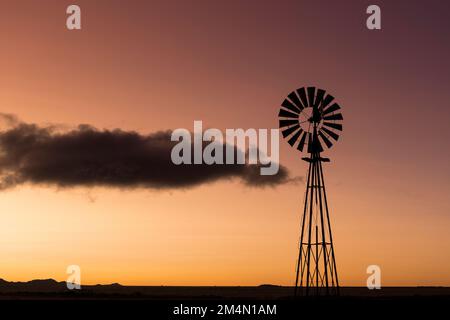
x: 86, y: 156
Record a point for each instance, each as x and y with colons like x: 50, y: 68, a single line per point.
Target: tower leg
x: 316, y: 264
x: 301, y: 257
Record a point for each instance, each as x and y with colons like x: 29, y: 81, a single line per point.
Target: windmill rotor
x: 310, y: 117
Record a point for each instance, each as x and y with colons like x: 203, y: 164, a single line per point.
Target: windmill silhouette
x: 310, y: 117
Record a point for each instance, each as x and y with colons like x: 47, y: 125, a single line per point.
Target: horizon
x: 258, y: 285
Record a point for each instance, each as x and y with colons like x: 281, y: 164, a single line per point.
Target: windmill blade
x: 301, y: 144
x: 287, y: 123
x: 311, y: 94
x: 332, y: 108
x: 287, y: 114
x: 302, y: 94
x: 288, y: 105
x: 327, y: 100
x: 319, y: 98
x: 294, y: 138
x: 288, y: 131
x: 337, y: 116
x: 294, y: 98
x: 336, y: 126
x: 325, y: 139
x: 335, y: 136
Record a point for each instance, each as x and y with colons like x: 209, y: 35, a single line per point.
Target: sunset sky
x: 148, y: 66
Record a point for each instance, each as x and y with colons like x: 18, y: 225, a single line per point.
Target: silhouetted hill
x: 43, y: 286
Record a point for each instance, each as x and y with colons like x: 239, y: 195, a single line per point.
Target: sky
x: 149, y: 66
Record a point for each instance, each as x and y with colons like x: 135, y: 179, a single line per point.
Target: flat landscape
x: 51, y: 298
x: 51, y: 289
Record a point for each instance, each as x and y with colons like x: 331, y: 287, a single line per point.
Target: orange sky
x: 149, y: 66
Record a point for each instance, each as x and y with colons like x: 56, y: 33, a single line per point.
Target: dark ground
x: 52, y: 299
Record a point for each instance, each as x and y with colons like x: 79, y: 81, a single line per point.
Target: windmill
x: 310, y: 120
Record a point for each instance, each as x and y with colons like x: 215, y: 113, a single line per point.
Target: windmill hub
x: 306, y: 119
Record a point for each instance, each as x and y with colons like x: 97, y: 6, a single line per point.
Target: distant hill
x: 43, y: 286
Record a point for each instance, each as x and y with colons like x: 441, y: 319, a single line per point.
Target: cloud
x: 86, y: 156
